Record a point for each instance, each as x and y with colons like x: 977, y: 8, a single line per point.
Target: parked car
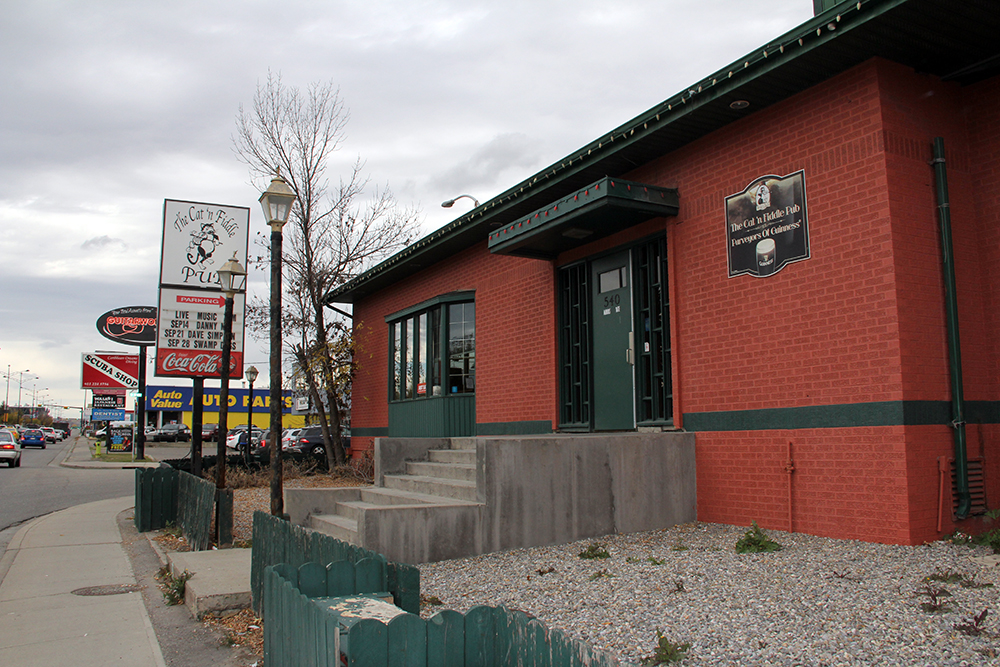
x: 233, y: 437
x: 10, y: 449
x: 172, y: 433
x: 34, y: 437
x: 209, y: 432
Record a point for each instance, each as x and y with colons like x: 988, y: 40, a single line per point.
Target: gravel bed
x: 818, y: 601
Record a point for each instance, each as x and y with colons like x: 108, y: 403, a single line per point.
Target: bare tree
x: 334, y: 233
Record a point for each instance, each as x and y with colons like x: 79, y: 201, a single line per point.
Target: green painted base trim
x: 377, y: 432
x: 514, y: 428
x: 849, y: 415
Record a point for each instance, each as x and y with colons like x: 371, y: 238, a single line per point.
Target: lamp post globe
x: 251, y: 375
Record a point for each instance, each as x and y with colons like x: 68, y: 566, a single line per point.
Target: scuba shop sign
x: 766, y: 225
x: 198, y: 239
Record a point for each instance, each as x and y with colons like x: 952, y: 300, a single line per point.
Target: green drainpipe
x: 954, y: 344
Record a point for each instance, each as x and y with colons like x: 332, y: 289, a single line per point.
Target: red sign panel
x: 110, y: 371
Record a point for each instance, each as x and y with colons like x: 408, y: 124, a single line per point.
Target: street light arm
x: 451, y: 202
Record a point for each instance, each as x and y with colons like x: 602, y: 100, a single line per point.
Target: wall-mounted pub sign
x: 766, y: 225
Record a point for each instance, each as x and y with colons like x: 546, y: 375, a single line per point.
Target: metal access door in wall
x: 614, y: 346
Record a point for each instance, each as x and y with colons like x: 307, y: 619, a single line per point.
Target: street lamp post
x: 20, y: 386
x: 251, y: 375
x: 228, y: 272
x: 277, y: 203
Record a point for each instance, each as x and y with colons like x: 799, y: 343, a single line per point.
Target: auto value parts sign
x: 199, y: 238
x: 109, y: 371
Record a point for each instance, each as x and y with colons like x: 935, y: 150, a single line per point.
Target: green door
x: 614, y: 389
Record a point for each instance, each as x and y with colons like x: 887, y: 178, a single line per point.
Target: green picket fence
x: 164, y: 495
x: 300, y: 632
x: 155, y: 498
x: 278, y: 541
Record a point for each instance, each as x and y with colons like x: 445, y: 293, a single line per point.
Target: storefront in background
x: 174, y: 404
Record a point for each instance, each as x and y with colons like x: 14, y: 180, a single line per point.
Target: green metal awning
x: 592, y: 213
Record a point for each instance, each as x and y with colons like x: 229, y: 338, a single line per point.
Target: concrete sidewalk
x: 47, y: 617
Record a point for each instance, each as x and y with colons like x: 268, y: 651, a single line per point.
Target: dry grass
x: 243, y: 629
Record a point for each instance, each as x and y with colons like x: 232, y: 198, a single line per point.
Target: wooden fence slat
x: 537, y: 643
x: 369, y: 576
x: 368, y: 644
x: 340, y: 579
x: 312, y: 580
x: 446, y: 639
x: 480, y: 637
x: 560, y: 649
x: 407, y: 642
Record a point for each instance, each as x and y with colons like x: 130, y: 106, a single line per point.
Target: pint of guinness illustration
x: 765, y: 257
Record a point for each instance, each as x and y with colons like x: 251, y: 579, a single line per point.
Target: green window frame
x: 432, y: 348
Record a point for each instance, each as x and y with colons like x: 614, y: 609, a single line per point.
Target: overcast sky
x: 110, y: 107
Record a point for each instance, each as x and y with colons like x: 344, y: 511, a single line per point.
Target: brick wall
x: 515, y: 337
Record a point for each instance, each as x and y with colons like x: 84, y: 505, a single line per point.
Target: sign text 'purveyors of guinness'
x: 109, y: 401
x: 766, y: 225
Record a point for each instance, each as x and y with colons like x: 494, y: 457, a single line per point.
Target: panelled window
x: 433, y: 351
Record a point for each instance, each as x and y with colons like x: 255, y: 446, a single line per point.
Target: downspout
x: 954, y: 344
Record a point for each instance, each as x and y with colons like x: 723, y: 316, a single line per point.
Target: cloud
x: 103, y: 242
x: 485, y: 168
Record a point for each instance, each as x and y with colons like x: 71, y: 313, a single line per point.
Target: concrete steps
x: 446, y: 479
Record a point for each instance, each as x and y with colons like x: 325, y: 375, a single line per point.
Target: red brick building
x: 758, y: 260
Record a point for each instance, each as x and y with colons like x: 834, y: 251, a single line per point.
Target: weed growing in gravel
x: 666, y: 651
x: 600, y: 574
x: 173, y: 528
x: 430, y: 601
x: 652, y: 560
x: 954, y: 577
x: 680, y: 546
x: 756, y: 541
x: 172, y: 587
x: 934, y: 604
x: 594, y: 551
x: 973, y: 625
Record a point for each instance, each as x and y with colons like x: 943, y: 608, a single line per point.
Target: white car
x: 10, y: 449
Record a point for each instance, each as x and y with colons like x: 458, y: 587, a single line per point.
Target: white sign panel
x: 198, y: 239
x: 189, y: 333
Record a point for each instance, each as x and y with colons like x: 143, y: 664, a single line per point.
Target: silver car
x: 10, y: 449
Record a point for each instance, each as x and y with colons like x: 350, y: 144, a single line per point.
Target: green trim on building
x: 849, y: 415
x: 450, y: 297
x: 378, y: 432
x: 514, y: 428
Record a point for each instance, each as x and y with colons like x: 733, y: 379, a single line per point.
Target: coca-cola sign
x: 197, y: 364
x: 131, y: 325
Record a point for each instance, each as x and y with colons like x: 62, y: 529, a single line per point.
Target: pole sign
x: 131, y: 325
x: 189, y: 336
x: 109, y: 371
x: 766, y: 225
x: 109, y: 401
x: 198, y: 239
x: 106, y: 415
